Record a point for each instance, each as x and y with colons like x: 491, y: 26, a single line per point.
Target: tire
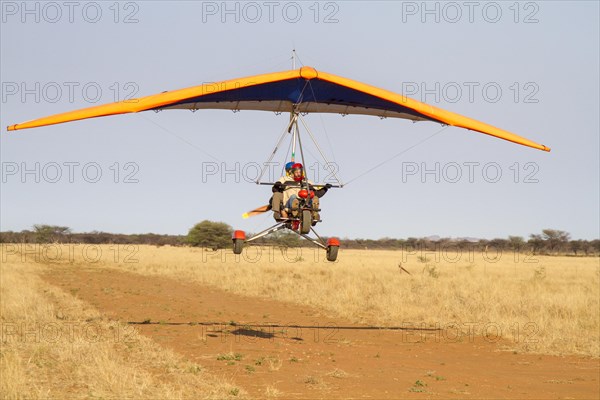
x: 332, y: 252
x: 306, y: 222
x: 238, y: 245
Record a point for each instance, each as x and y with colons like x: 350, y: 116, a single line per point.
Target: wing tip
x: 11, y: 128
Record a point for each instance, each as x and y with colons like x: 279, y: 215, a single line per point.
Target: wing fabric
x: 304, y: 90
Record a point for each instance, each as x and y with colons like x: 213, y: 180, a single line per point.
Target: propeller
x: 256, y: 211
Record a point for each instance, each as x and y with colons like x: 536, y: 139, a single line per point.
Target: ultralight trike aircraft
x: 298, y: 92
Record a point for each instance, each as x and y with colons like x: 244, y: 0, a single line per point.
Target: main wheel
x: 332, y: 252
x: 238, y: 245
x: 306, y: 222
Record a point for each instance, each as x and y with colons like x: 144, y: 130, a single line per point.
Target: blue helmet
x: 288, y: 166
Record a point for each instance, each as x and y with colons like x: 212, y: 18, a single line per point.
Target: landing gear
x: 333, y: 245
x: 332, y: 253
x: 306, y: 222
x: 238, y: 246
x: 238, y: 238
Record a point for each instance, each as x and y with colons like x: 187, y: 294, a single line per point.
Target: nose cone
x: 308, y: 73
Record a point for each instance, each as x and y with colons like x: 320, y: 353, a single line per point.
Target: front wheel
x: 238, y: 245
x: 332, y: 252
x: 306, y: 222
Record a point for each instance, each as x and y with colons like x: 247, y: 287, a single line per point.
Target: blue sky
x: 529, y: 67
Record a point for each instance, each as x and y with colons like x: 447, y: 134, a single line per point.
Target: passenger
x: 286, y: 200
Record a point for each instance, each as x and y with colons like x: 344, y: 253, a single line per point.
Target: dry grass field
x: 540, y: 304
x: 55, y: 345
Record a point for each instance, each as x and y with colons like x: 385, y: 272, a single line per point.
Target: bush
x: 214, y: 235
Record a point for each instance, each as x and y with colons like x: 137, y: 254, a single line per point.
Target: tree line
x: 217, y: 235
x: 63, y: 234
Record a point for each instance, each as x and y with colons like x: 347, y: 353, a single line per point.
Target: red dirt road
x: 270, y: 348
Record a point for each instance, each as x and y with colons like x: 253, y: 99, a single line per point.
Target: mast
x: 294, y: 131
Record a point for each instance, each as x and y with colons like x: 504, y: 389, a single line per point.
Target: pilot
x: 285, y: 199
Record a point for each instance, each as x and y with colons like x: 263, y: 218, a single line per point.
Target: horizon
x: 432, y: 237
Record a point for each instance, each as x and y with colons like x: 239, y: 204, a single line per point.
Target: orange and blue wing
x: 305, y: 90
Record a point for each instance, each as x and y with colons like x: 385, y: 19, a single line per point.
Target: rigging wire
x: 179, y: 137
x: 396, y: 155
x: 323, y: 125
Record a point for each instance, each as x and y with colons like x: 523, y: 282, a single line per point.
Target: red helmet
x: 295, y: 167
